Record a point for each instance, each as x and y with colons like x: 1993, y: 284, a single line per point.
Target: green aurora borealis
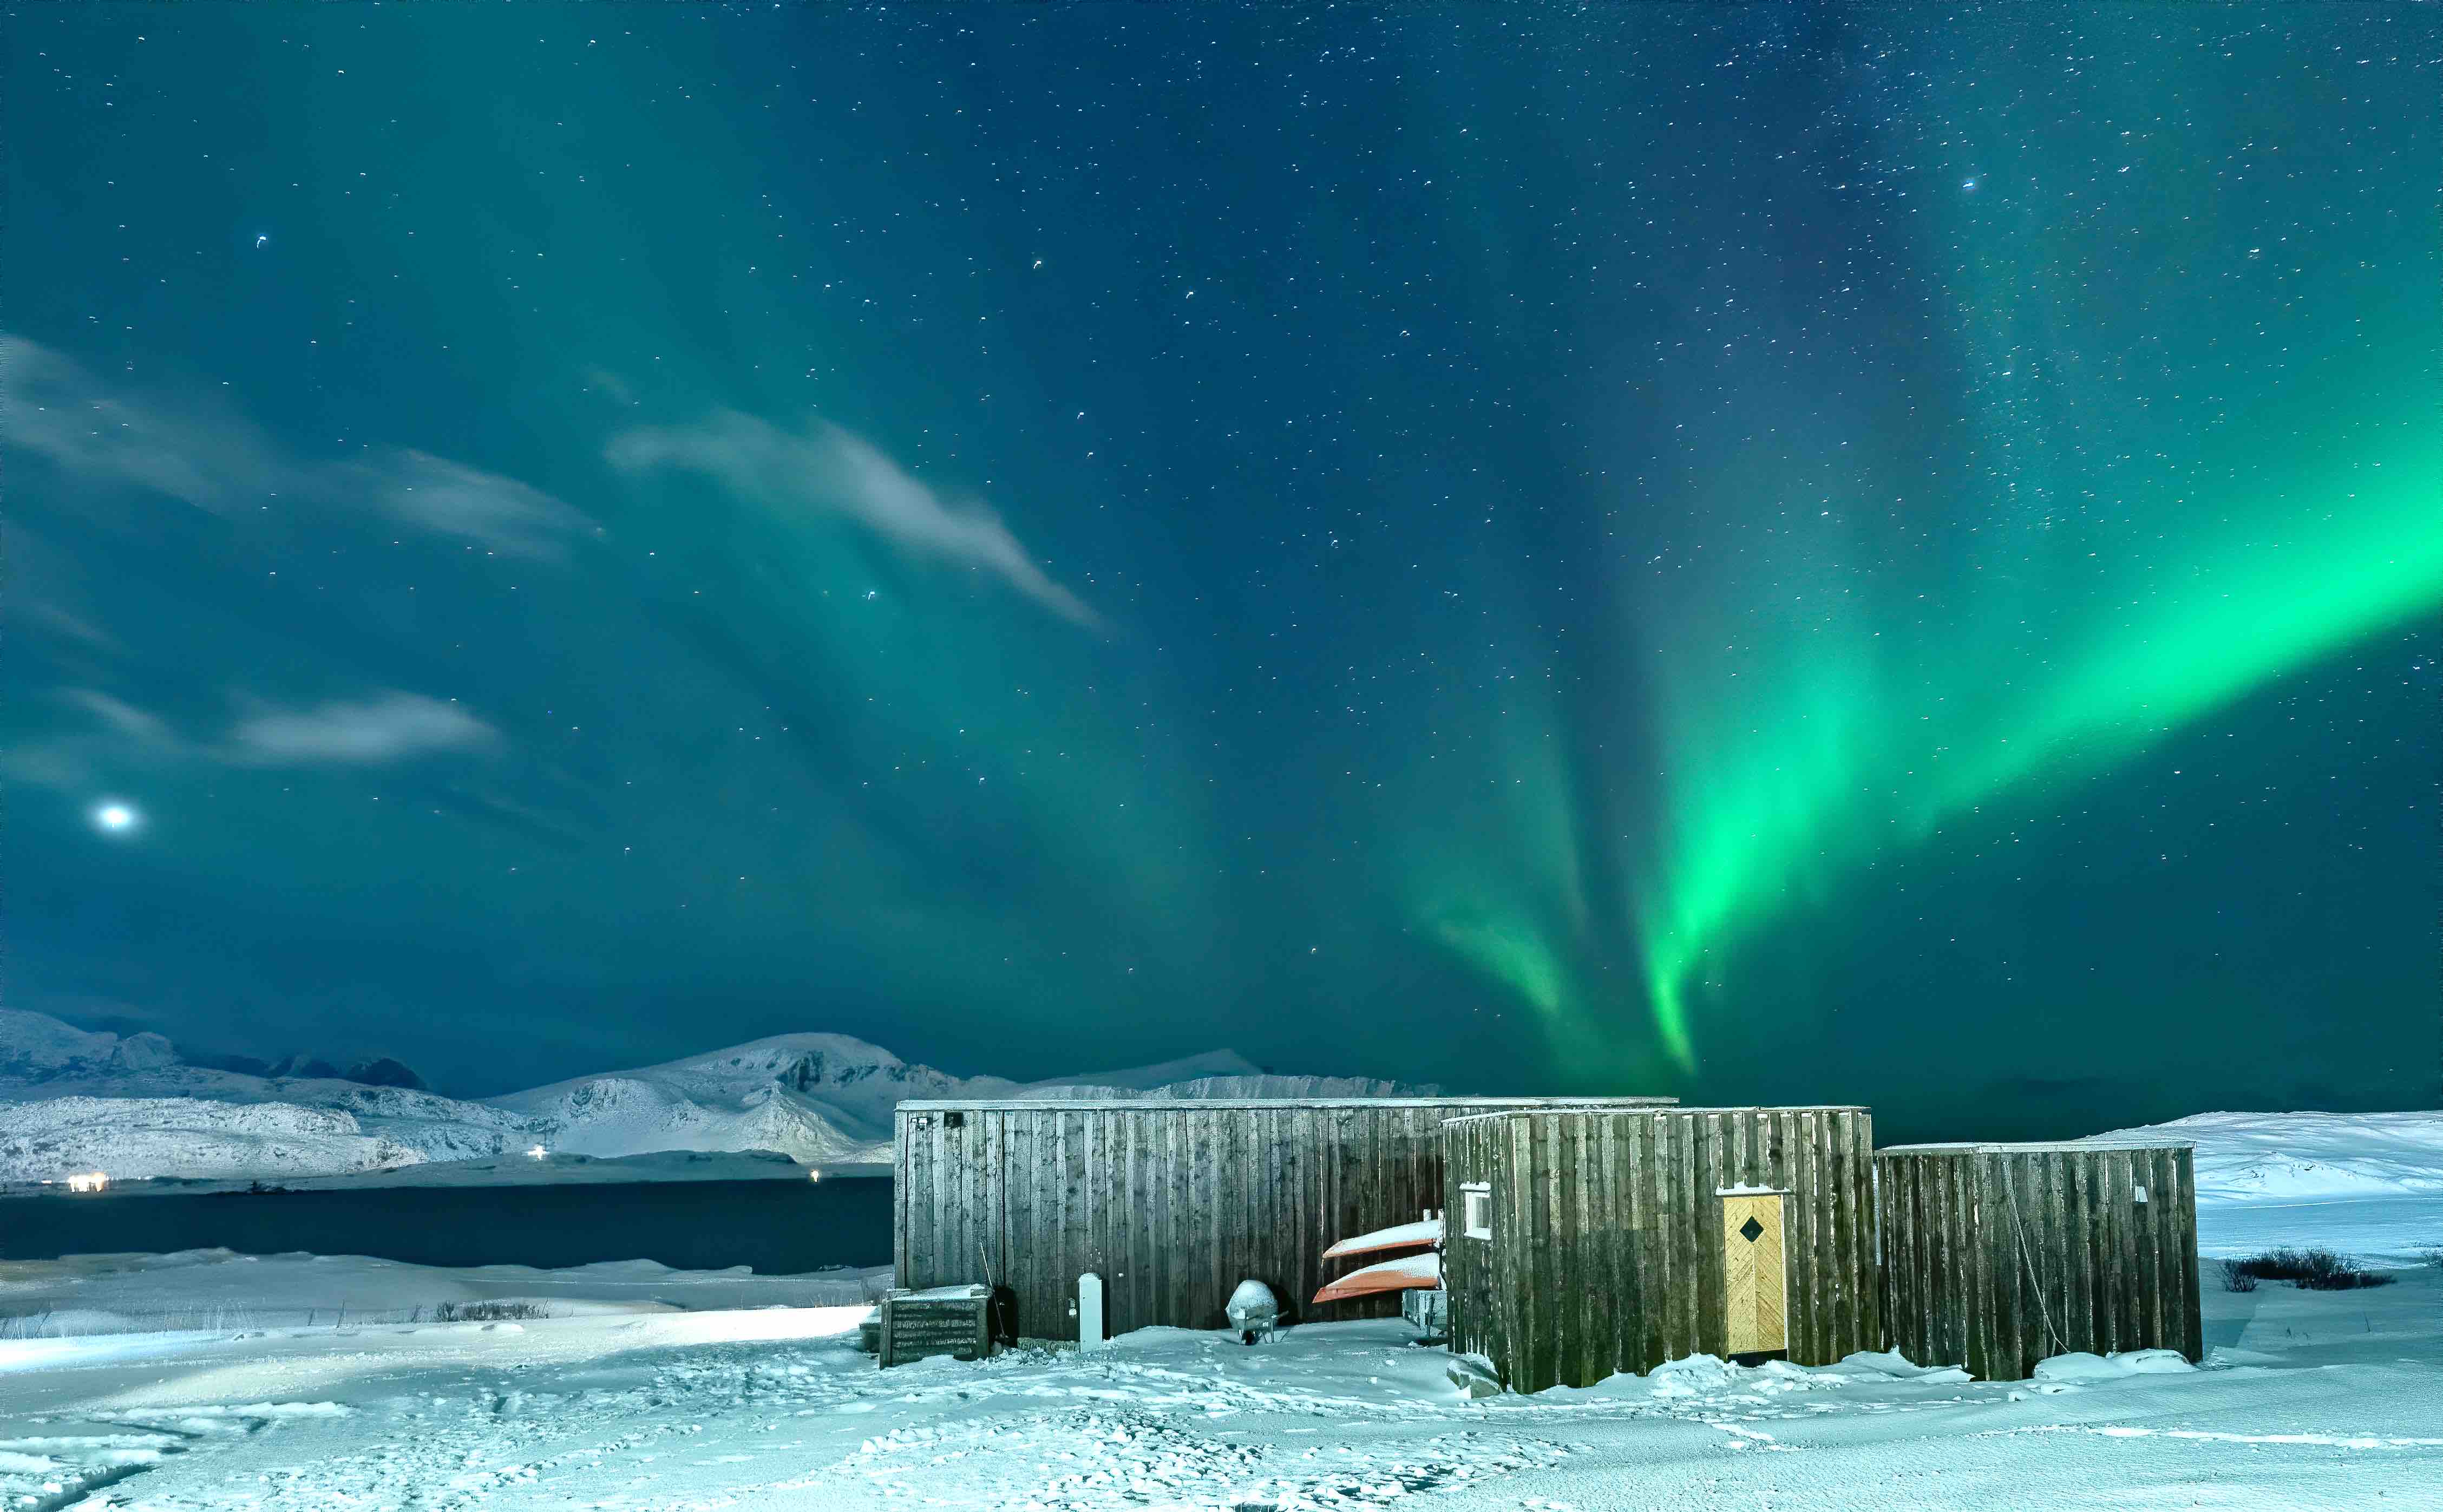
x: 1757, y: 552
x: 1878, y: 742
x: 2171, y: 510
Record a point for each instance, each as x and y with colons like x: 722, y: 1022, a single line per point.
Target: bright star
x: 115, y: 818
x: 1969, y: 184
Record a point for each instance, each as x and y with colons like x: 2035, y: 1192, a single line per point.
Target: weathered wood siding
x: 1607, y: 1248
x: 1999, y: 1256
x: 1173, y: 1203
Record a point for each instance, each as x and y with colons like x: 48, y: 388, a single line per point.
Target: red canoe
x: 1405, y: 1274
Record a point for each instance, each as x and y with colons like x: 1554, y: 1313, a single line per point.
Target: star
x: 115, y: 818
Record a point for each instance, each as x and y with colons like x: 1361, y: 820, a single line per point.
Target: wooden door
x: 1756, y: 1277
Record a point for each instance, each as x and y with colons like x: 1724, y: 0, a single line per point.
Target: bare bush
x: 486, y: 1312
x: 2314, y: 1270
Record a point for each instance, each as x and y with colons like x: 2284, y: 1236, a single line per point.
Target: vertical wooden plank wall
x: 1999, y: 1256
x: 1467, y: 1269
x: 1607, y: 1248
x: 1172, y: 1203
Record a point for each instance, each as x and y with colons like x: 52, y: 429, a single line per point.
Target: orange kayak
x: 1407, y: 1273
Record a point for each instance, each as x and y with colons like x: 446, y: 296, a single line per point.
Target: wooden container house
x: 1997, y: 1256
x: 1583, y: 1242
x: 1171, y: 1202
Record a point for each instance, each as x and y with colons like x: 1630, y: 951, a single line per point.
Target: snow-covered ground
x: 2307, y: 1400
x: 214, y: 1289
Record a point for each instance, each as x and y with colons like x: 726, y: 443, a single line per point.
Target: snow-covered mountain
x: 2297, y: 1156
x: 827, y: 1097
x: 72, y: 1100
x: 187, y: 1137
x: 812, y: 1097
x: 35, y: 1048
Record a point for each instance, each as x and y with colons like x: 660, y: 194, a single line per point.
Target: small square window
x: 1478, y: 1197
x: 2142, y: 1194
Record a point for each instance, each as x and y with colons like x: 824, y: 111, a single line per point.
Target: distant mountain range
x: 130, y: 1105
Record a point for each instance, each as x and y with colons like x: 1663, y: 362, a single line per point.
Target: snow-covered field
x: 655, y: 1389
x: 216, y: 1291
x: 2308, y: 1400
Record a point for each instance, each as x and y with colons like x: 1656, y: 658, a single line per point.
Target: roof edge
x: 1627, y: 1105
x: 2033, y: 1147
x: 1191, y: 1104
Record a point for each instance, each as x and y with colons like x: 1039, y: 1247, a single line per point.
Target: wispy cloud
x: 449, y: 499
x: 58, y: 621
x: 54, y: 409
x: 391, y: 728
x: 125, y: 719
x: 120, y: 736
x: 215, y: 461
x: 388, y: 726
x: 831, y: 470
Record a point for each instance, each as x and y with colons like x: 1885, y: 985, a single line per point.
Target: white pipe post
x: 1090, y: 1311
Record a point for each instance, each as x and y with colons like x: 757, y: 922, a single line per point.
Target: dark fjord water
x: 777, y: 1227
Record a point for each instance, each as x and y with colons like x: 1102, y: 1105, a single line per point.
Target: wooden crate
x: 1997, y: 1256
x: 953, y: 1321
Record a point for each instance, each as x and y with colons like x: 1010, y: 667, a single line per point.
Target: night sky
x: 1885, y: 556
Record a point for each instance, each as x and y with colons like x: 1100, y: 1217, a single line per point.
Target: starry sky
x: 1879, y: 555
